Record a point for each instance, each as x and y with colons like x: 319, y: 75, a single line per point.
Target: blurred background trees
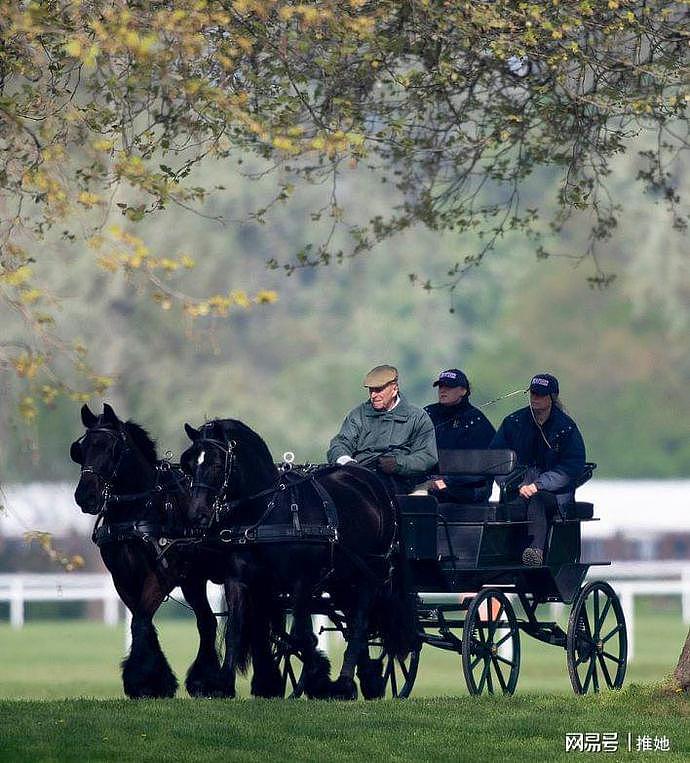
x: 196, y: 154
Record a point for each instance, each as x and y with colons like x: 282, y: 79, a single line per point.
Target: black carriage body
x: 466, y: 548
x: 464, y: 561
x: 452, y: 547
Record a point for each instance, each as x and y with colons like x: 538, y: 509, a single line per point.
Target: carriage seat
x: 469, y: 512
x: 577, y: 510
x: 500, y: 465
x: 450, y: 530
x: 517, y: 512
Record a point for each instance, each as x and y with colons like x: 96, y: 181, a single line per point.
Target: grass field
x: 76, y: 658
x: 60, y: 683
x: 529, y: 727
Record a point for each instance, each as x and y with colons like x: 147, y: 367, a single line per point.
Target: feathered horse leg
x: 237, y: 645
x: 266, y: 678
x: 145, y: 670
x: 344, y: 686
x: 317, y: 667
x: 203, y: 677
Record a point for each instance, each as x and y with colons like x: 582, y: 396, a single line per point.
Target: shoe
x: 533, y: 557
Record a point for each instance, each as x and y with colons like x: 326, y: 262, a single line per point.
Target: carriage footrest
x: 461, y: 512
x: 577, y: 510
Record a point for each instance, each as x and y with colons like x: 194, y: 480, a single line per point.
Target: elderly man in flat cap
x: 547, y: 442
x: 387, y: 433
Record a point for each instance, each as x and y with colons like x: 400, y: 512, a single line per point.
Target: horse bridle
x: 119, y: 436
x: 228, y: 451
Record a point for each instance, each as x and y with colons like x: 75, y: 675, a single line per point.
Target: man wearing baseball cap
x: 547, y: 442
x: 387, y: 433
x: 459, y: 426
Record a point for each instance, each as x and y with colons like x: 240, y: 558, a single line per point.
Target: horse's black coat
x: 232, y: 467
x: 119, y: 460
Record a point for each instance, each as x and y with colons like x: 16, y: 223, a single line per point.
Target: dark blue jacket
x: 554, y: 466
x: 461, y: 427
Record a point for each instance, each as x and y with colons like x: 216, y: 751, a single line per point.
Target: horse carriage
x: 474, y: 595
x: 391, y: 574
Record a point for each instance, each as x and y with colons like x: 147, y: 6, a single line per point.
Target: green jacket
x: 406, y: 432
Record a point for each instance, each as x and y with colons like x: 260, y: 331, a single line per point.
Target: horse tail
x: 244, y: 646
x: 397, y: 613
x: 237, y: 630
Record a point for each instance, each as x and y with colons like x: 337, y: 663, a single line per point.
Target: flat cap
x: 380, y: 376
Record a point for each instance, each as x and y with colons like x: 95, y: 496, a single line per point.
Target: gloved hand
x: 342, y: 460
x: 387, y: 464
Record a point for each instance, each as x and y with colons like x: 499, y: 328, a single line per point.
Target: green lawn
x: 57, y: 666
x: 76, y: 658
x: 528, y: 727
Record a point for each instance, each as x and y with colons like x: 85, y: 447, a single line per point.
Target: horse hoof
x: 371, y: 681
x: 267, y: 686
x: 344, y: 688
x: 203, y: 680
x: 208, y: 690
x: 141, y: 687
x: 317, y: 682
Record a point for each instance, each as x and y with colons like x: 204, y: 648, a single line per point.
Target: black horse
x: 142, y: 504
x: 296, y: 536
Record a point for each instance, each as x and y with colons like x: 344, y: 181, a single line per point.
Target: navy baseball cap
x: 544, y: 384
x: 452, y: 378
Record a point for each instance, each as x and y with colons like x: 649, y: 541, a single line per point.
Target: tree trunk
x: 682, y: 672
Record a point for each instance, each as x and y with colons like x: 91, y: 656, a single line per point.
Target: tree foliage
x: 112, y: 106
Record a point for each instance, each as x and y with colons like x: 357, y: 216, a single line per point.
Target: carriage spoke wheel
x: 289, y: 663
x: 597, y: 640
x: 491, y: 644
x: 398, y: 675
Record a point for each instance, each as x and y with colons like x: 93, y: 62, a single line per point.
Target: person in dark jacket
x: 459, y: 426
x: 547, y: 442
x: 387, y: 433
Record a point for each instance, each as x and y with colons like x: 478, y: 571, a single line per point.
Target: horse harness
x: 160, y: 536
x: 286, y: 491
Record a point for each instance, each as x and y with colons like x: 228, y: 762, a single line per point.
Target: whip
x: 501, y: 397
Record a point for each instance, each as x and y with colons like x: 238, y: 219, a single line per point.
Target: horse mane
x: 143, y: 440
x: 233, y: 429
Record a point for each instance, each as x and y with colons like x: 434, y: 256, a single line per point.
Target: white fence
x: 18, y: 589
x: 629, y: 579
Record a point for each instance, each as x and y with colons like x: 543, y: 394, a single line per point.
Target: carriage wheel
x: 490, y: 644
x: 597, y: 640
x: 289, y: 662
x: 398, y: 676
